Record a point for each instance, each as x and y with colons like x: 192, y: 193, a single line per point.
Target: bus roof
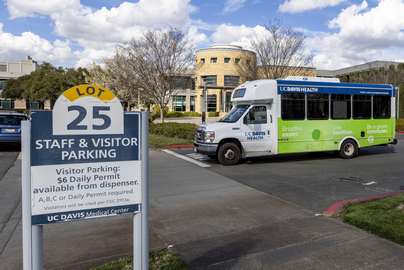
x: 261, y: 90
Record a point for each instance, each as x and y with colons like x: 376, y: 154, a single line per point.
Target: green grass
x: 159, y: 260
x: 159, y: 141
x: 384, y: 218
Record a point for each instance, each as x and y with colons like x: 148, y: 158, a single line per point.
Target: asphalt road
x: 316, y: 180
x: 8, y: 154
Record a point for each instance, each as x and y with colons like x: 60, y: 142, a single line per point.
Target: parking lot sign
x: 87, y: 159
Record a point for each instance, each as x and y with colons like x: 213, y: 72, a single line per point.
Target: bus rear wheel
x: 229, y: 154
x: 349, y: 149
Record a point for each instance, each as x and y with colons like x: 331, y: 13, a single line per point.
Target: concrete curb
x: 337, y: 206
x: 180, y: 146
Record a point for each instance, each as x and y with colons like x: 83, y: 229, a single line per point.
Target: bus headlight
x: 209, y: 136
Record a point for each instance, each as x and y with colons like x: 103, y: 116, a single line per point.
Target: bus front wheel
x: 349, y: 149
x: 229, y: 154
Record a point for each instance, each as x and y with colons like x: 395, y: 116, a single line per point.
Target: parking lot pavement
x: 212, y: 221
x: 217, y: 223
x: 316, y: 180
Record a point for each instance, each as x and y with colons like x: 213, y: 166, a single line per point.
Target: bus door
x: 256, y: 130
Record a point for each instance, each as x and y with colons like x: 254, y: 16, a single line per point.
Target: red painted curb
x: 337, y: 206
x: 179, y: 146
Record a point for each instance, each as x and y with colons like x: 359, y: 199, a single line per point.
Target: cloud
x: 28, y: 43
x: 233, y: 5
x: 23, y: 8
x: 361, y: 34
x: 99, y: 31
x: 237, y: 34
x: 297, y: 6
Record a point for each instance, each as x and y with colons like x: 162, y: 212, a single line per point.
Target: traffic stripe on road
x: 196, y: 162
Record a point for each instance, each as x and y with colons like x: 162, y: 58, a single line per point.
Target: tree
x: 154, y: 60
x: 45, y: 83
x: 280, y: 52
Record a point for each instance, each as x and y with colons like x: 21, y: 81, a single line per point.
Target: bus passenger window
x: 257, y: 115
x: 381, y: 107
x: 292, y: 106
x: 362, y: 107
x: 317, y: 106
x: 340, y: 106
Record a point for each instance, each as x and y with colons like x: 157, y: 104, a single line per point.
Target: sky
x: 74, y: 33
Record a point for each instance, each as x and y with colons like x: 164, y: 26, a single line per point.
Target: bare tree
x: 116, y: 74
x: 280, y: 52
x: 155, y: 60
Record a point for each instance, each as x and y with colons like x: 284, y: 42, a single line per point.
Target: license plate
x: 9, y: 130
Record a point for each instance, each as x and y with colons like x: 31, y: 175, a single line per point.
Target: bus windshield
x: 235, y: 114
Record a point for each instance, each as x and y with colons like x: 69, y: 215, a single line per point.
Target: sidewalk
x: 217, y: 223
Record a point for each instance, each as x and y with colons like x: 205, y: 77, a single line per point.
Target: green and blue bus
x: 297, y: 115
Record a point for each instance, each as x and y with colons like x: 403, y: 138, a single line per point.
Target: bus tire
x: 349, y: 149
x: 229, y: 154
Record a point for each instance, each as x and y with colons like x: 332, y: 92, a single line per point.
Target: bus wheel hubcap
x: 349, y: 149
x: 229, y: 154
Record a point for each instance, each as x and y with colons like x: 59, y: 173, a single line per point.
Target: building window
x: 178, y: 103
x: 202, y: 60
x: 381, y: 107
x: 6, y: 104
x: 227, y: 60
x: 192, y: 103
x: 3, y: 68
x: 317, y: 106
x: 213, y: 60
x: 2, y: 84
x: 362, y: 107
x: 35, y: 105
x: 212, y: 99
x: 292, y: 106
x: 183, y: 82
x: 237, y: 60
x: 231, y: 80
x: 209, y: 80
x: 257, y: 115
x: 340, y: 106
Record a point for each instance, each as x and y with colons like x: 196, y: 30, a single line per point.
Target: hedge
x: 178, y: 130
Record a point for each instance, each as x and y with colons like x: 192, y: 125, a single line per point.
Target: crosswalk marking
x: 186, y: 158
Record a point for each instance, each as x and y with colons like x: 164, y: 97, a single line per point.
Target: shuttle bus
x: 297, y: 115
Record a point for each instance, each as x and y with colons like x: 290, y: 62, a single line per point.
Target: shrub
x: 213, y: 114
x: 182, y: 114
x: 178, y: 130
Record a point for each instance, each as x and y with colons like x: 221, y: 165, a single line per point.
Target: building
x: 356, y: 68
x: 12, y: 70
x: 220, y: 68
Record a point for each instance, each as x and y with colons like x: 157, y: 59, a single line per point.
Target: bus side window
x: 362, y: 107
x: 381, y: 107
x: 317, y: 107
x: 292, y: 106
x: 256, y: 115
x: 340, y: 106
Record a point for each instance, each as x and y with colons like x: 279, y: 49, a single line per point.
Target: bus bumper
x: 206, y: 148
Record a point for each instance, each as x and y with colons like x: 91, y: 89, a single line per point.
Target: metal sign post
x: 85, y: 159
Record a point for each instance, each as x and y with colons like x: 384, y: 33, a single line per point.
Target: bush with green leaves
x: 182, y: 114
x: 213, y: 114
x: 177, y: 130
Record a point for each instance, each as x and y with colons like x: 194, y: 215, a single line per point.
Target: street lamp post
x: 204, y: 102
